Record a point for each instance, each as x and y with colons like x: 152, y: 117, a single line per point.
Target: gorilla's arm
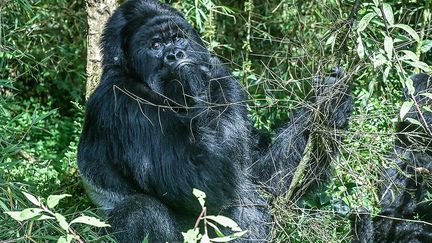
x: 330, y: 111
x: 223, y: 124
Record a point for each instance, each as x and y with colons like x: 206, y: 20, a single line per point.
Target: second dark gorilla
x: 168, y: 117
x: 406, y: 209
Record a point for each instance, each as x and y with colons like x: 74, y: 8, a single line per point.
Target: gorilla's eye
x: 156, y: 45
x: 176, y: 39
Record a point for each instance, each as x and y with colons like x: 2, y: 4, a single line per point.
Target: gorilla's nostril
x: 180, y: 54
x: 171, y: 58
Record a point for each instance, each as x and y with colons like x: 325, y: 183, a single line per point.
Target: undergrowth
x: 275, y: 48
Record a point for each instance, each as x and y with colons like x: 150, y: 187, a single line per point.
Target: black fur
x: 403, y: 197
x: 168, y: 117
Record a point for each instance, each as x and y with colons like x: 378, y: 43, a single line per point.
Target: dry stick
x: 307, y: 153
x: 200, y: 217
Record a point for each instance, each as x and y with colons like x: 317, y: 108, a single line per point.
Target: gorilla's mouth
x: 177, y: 66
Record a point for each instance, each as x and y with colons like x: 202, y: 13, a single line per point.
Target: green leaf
x: 360, y: 48
x: 225, y: 222
x: 409, y: 55
x: 365, y: 21
x: 426, y: 46
x: 205, y: 239
x: 414, y: 121
x: 415, y: 62
x: 32, y: 199
x: 5, y: 83
x: 388, y: 13
x: 200, y: 195
x: 409, y: 30
x: 14, y: 214
x: 406, y: 106
x: 371, y: 86
x: 388, y: 47
x: 429, y: 95
x: 386, y: 74
x: 29, y: 213
x: 216, y: 229
x: 37, y: 119
x: 25, y: 214
x: 420, y: 65
x: 331, y: 40
x: 379, y: 60
x: 145, y: 240
x: 192, y: 236
x: 53, y: 200
x: 62, y: 221
x: 62, y: 239
x: 66, y: 239
x: 44, y: 217
x: 427, y: 108
x: 410, y: 86
x: 89, y: 221
x: 231, y: 237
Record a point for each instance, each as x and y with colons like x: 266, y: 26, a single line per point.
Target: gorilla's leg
x: 362, y: 230
x: 138, y: 216
x: 331, y: 109
x: 251, y: 212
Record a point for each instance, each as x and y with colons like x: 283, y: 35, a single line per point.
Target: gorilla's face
x: 167, y: 55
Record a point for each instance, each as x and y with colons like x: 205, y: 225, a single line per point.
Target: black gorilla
x: 168, y: 117
x: 404, y: 201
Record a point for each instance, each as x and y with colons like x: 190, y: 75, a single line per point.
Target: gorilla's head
x: 157, y: 48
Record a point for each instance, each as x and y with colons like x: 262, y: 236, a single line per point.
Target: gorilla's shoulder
x: 422, y: 83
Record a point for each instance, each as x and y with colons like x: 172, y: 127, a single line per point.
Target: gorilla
x: 406, y: 210
x: 168, y: 117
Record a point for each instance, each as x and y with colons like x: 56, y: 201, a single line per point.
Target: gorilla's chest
x: 155, y: 140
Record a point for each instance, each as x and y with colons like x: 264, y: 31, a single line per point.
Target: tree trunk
x: 98, y: 12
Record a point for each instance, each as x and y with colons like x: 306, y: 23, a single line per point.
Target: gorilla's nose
x: 174, y: 56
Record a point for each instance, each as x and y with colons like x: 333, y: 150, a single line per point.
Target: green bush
x: 275, y: 48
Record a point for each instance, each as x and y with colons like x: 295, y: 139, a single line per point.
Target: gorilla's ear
x: 112, y: 41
